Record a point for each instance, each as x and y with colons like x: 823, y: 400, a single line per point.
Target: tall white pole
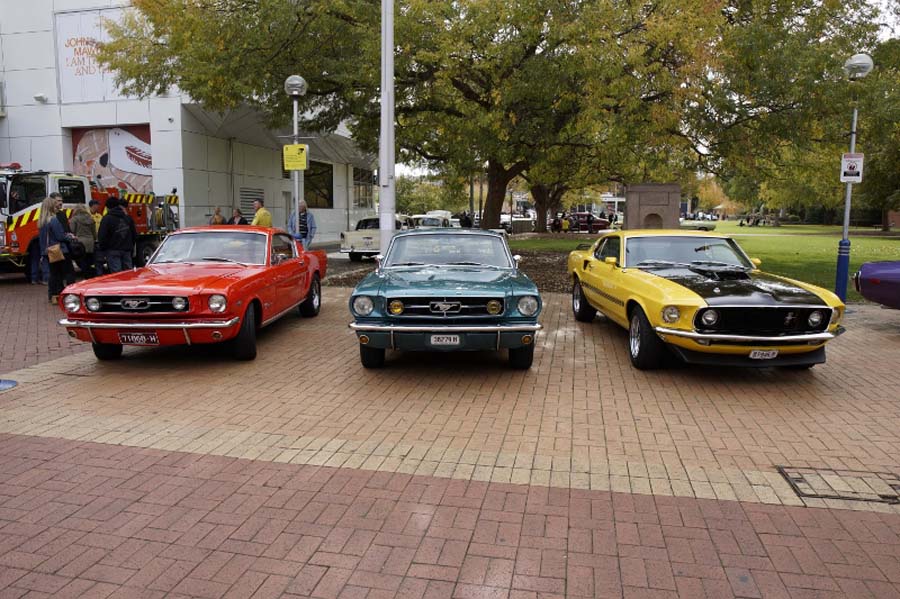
x: 387, y: 201
x: 297, y: 176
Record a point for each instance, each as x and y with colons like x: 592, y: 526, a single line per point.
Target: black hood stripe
x: 758, y: 288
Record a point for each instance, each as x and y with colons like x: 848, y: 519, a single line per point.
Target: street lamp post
x: 295, y: 87
x: 856, y: 67
x: 387, y: 191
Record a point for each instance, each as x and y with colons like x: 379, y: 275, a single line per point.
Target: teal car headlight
x: 528, y: 305
x: 363, y: 305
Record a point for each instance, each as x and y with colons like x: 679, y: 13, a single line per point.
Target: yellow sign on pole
x: 295, y: 157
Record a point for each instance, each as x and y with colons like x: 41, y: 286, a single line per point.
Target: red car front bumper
x: 166, y: 332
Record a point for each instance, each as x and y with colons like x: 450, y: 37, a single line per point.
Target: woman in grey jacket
x: 82, y: 226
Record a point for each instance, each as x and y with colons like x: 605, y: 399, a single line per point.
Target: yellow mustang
x: 699, y: 294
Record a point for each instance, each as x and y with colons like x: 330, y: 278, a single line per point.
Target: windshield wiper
x: 466, y: 263
x: 717, y: 263
x: 660, y: 263
x: 170, y: 262
x: 220, y: 259
x: 407, y: 264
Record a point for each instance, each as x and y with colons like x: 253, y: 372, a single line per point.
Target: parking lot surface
x: 181, y: 472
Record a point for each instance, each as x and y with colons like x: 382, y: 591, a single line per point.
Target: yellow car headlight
x: 396, y: 307
x: 835, y: 316
x: 671, y: 314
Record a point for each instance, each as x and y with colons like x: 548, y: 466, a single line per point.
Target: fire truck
x: 21, y: 194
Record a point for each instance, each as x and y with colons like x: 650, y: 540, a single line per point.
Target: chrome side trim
x: 386, y: 328
x: 211, y: 324
x: 282, y: 313
x: 774, y: 340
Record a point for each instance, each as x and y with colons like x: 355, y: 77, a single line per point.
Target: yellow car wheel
x: 645, y: 348
x: 584, y: 312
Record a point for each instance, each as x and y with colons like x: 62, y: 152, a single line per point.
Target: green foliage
x: 418, y: 195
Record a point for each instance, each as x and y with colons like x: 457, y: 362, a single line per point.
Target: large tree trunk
x: 541, y: 196
x: 498, y: 178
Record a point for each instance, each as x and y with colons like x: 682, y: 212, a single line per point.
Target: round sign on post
x: 851, y: 168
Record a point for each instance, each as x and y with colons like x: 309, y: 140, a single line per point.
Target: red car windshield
x: 213, y: 246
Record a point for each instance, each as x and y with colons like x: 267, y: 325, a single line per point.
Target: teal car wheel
x: 521, y: 358
x: 371, y: 357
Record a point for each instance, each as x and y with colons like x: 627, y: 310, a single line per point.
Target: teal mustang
x: 446, y: 290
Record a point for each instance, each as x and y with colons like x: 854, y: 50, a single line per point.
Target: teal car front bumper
x: 422, y: 337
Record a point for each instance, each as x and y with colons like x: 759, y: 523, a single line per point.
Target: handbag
x: 55, y: 253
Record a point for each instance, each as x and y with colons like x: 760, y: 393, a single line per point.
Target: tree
x: 880, y: 132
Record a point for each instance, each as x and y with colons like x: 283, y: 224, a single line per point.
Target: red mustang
x: 203, y: 285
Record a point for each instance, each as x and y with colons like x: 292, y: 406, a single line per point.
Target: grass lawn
x: 808, y: 257
x: 730, y: 227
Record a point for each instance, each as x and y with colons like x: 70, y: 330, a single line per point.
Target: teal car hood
x: 457, y: 280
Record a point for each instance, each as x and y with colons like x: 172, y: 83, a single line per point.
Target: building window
x: 248, y: 195
x: 363, y: 188
x: 318, y: 185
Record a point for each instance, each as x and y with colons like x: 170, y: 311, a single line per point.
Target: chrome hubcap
x: 316, y: 296
x: 634, y: 336
x: 576, y: 297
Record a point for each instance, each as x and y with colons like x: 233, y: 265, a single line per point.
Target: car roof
x: 449, y: 231
x: 669, y: 233
x: 230, y: 229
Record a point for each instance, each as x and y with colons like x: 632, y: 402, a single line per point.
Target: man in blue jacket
x: 304, y: 228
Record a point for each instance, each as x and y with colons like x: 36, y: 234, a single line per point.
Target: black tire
x: 799, y: 366
x: 584, y: 312
x: 313, y: 302
x: 145, y: 249
x: 356, y: 257
x: 107, y: 351
x: 371, y: 357
x: 243, y: 347
x: 645, y: 348
x: 521, y: 358
x: 702, y: 229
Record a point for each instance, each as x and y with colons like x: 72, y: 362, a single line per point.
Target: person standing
x: 54, y: 247
x: 217, y: 218
x: 304, y: 229
x: 117, y: 236
x: 83, y: 228
x: 262, y: 218
x: 237, y: 218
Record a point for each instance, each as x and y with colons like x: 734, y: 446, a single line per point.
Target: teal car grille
x: 447, y: 307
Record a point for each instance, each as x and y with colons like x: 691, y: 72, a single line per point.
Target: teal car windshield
x: 447, y: 250
x: 686, y: 250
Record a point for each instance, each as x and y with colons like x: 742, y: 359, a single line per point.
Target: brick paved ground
x: 183, y: 472
x: 87, y: 519
x: 29, y: 334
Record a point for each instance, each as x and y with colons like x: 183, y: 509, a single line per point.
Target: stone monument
x: 652, y: 206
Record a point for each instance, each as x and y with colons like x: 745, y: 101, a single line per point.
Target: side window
x: 598, y: 253
x: 72, y: 191
x: 610, y: 249
x: 3, y: 194
x: 283, y: 248
x: 25, y: 192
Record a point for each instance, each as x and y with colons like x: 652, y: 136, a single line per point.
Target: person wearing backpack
x: 116, y: 236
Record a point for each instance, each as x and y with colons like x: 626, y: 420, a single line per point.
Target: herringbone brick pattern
x: 93, y: 520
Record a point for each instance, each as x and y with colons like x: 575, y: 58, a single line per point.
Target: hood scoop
x: 721, y: 274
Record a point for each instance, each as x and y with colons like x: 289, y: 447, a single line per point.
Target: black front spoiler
x: 816, y: 356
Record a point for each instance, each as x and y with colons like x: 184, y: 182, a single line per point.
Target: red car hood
x: 166, y: 279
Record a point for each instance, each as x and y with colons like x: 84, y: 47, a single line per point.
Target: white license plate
x: 138, y: 339
x: 445, y: 340
x: 763, y: 354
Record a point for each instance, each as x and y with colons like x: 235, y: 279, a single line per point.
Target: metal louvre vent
x: 447, y: 307
x: 248, y: 195
x: 135, y: 304
x: 853, y: 485
x: 764, y: 321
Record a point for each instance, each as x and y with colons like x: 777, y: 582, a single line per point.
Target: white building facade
x: 59, y: 111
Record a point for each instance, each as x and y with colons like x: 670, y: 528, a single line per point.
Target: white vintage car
x: 366, y: 239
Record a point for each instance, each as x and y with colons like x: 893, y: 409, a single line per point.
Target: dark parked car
x: 879, y: 282
x: 597, y: 224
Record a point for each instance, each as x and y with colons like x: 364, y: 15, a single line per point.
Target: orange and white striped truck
x: 21, y: 193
